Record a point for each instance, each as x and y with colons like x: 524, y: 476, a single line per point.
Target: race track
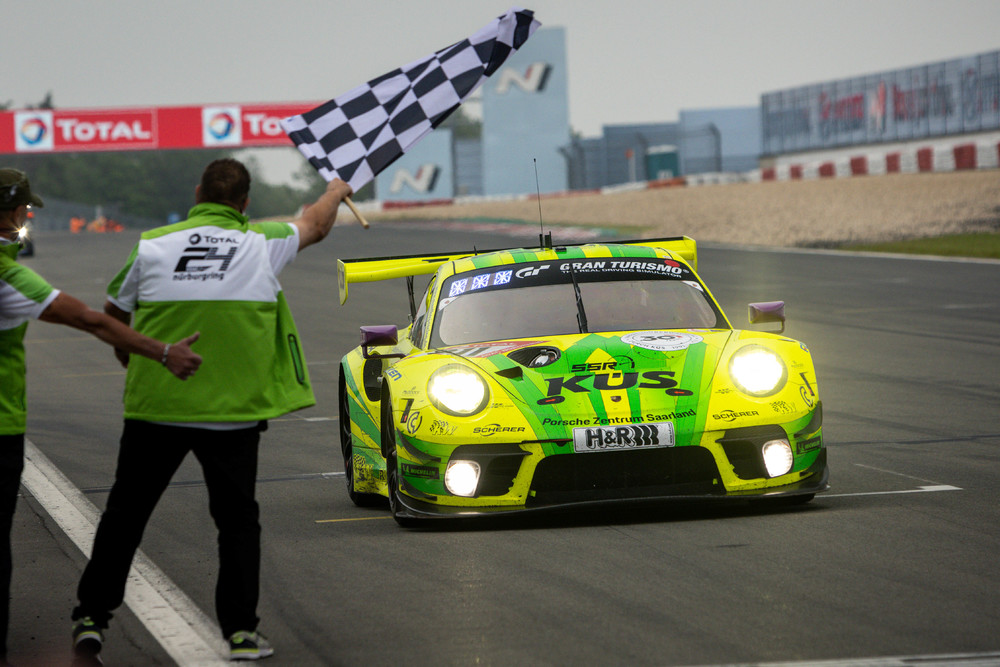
x: 898, y: 559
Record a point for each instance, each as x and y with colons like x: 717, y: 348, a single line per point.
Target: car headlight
x: 457, y: 390
x: 758, y: 371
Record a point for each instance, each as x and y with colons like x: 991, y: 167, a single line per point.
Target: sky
x: 629, y: 61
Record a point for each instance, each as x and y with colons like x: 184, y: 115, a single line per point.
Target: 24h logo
x: 193, y: 254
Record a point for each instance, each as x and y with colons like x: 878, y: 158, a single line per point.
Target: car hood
x: 603, y: 378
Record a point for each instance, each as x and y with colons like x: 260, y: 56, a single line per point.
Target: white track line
x: 988, y: 659
x: 898, y: 474
x: 922, y: 489
x: 185, y: 632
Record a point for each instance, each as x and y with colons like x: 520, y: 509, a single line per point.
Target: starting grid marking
x: 929, y: 486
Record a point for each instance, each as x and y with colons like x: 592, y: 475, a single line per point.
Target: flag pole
x: 356, y: 212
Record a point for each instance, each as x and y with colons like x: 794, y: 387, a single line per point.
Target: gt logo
x: 204, y: 254
x: 529, y: 272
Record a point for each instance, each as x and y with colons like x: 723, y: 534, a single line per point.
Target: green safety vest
x: 27, y: 292
x: 211, y: 273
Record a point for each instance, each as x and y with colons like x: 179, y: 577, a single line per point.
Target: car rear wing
x: 386, y: 268
x: 682, y: 246
x: 371, y: 269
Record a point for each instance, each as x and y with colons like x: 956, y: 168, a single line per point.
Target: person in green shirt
x: 25, y: 295
x: 221, y: 271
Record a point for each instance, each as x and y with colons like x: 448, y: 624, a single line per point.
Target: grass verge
x: 957, y: 245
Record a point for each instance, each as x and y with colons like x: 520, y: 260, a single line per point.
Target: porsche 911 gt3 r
x: 536, y: 378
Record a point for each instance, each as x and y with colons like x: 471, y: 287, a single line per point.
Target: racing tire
x: 392, y: 467
x: 347, y: 449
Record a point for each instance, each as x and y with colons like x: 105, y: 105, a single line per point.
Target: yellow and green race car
x: 538, y: 378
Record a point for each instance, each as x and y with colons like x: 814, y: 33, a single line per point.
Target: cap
x: 15, y: 190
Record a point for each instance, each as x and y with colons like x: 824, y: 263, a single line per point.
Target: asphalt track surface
x: 899, y: 558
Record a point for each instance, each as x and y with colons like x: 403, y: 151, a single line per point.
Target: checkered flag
x: 355, y: 136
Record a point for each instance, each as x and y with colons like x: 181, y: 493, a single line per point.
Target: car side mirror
x: 766, y: 312
x: 376, y: 336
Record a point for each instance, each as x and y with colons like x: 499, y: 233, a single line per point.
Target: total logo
x: 221, y: 126
x: 196, y: 238
x: 47, y: 130
x: 234, y: 125
x: 33, y: 131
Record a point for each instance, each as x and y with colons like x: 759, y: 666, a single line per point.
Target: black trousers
x: 149, y: 456
x: 11, y: 465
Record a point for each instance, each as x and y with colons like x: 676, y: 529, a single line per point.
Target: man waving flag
x: 358, y: 134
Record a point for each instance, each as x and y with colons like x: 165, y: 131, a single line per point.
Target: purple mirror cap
x: 379, y: 334
x: 767, y: 311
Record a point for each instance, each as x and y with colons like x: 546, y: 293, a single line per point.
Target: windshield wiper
x: 581, y: 314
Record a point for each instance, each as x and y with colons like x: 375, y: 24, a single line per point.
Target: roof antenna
x: 544, y: 240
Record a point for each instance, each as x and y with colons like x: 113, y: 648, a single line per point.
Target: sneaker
x: 87, y: 638
x: 245, y: 645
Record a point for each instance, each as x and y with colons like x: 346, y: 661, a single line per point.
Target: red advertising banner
x: 153, y: 128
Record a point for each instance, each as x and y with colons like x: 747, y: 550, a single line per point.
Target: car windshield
x: 547, y: 299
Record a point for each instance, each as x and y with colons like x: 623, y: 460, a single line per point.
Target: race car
x: 539, y: 378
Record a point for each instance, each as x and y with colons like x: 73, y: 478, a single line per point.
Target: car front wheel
x: 347, y: 449
x: 391, y: 465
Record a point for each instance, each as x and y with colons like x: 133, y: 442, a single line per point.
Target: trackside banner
x: 153, y: 128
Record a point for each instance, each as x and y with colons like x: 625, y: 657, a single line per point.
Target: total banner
x: 146, y: 128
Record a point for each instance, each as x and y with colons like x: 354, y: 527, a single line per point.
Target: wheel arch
x: 385, y: 419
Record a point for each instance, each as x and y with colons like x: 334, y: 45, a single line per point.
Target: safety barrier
x: 917, y: 159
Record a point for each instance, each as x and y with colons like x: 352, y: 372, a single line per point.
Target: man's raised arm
x: 317, y: 220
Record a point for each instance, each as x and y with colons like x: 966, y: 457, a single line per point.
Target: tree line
x: 153, y: 184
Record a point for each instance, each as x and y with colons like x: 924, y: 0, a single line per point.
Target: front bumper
x: 617, y: 487
x: 545, y: 475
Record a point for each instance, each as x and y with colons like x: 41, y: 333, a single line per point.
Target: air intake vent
x: 535, y: 357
